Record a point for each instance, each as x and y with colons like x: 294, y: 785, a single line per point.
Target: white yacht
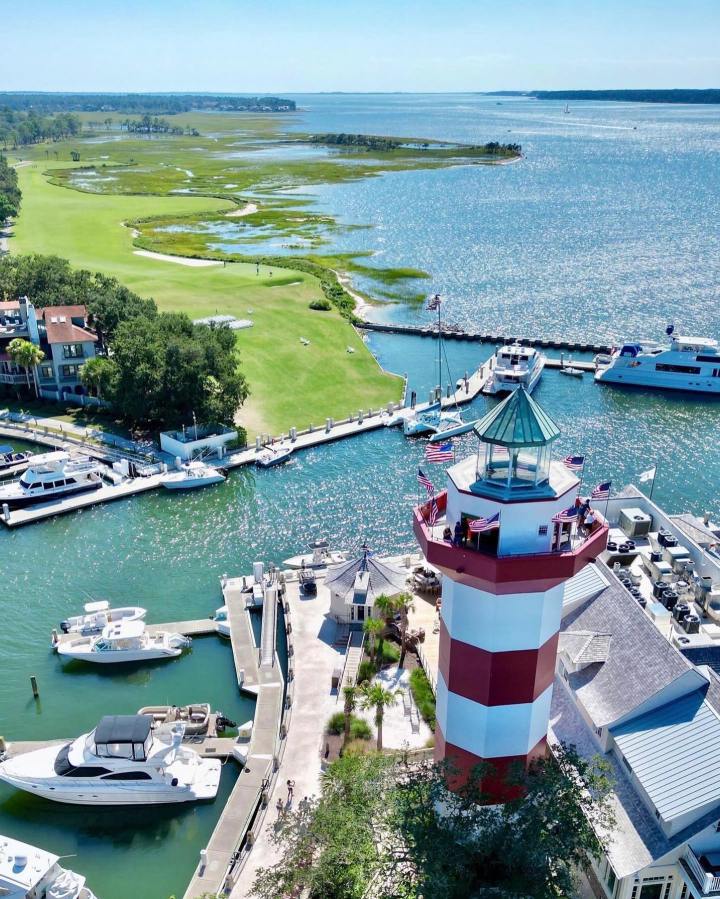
x: 27, y: 872
x: 320, y: 556
x: 97, y: 615
x: 431, y: 420
x: 515, y: 366
x: 124, y: 641
x: 687, y: 363
x: 124, y: 761
x: 192, y: 475
x: 51, y: 477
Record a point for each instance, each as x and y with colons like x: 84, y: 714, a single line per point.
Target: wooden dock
x: 266, y: 681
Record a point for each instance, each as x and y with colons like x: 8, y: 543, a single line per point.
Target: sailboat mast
x: 439, y: 346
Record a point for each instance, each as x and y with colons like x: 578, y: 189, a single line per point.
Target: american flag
x: 425, y: 482
x: 478, y: 525
x: 602, y: 491
x: 569, y: 514
x: 443, y: 452
x: 434, y: 513
x: 434, y: 303
x: 574, y: 463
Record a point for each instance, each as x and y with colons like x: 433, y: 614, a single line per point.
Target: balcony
x: 704, y: 871
x: 504, y: 573
x: 12, y: 378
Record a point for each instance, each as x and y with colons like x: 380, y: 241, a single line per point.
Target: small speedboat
x: 274, y: 455
x: 222, y: 623
x: 125, y: 641
x: 124, y: 761
x: 192, y: 475
x: 10, y: 459
x: 320, y: 557
x: 196, y: 717
x: 27, y: 872
x: 97, y: 616
x: 571, y: 371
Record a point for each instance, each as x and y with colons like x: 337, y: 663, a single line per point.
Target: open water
x: 601, y: 230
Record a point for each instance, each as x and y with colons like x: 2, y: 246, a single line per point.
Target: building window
x: 73, y: 351
x: 46, y: 371
x: 684, y: 891
x: 69, y: 372
x: 542, y: 530
x: 627, y: 763
x: 668, y: 887
x: 611, y: 881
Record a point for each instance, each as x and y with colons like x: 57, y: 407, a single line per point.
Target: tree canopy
x: 20, y: 128
x: 9, y: 191
x: 388, y: 829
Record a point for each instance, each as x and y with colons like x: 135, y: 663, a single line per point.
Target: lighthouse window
x: 542, y: 530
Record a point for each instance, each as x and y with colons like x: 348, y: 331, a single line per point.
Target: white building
x: 355, y: 585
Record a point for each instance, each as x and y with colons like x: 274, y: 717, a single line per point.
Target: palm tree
x: 375, y: 696
x: 27, y: 356
x: 350, y: 694
x: 387, y: 606
x: 373, y: 627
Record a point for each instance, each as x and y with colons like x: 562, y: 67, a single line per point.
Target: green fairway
x: 291, y: 384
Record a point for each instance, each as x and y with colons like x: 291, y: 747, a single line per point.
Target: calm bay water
x: 602, y: 230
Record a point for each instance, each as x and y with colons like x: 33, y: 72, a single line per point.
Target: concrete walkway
x: 313, y: 661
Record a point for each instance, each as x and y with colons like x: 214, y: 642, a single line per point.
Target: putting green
x: 291, y: 383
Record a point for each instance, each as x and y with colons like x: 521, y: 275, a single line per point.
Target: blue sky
x: 315, y: 45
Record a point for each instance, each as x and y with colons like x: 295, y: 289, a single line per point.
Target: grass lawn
x: 291, y: 384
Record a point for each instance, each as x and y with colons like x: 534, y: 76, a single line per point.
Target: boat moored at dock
x: 192, y: 475
x: 687, y: 363
x: 10, y: 460
x: 124, y: 761
x: 320, y: 557
x: 124, y: 641
x: 196, y: 718
x: 27, y: 872
x: 274, y: 455
x: 97, y: 615
x: 515, y: 365
x: 51, y: 477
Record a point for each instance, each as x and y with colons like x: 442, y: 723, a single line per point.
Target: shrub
x: 388, y: 653
x: 321, y: 305
x: 360, y: 729
x: 423, y: 696
x: 366, y: 671
x: 336, y: 724
x: 357, y: 747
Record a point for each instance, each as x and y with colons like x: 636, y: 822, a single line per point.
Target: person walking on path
x: 280, y: 807
x: 290, y: 789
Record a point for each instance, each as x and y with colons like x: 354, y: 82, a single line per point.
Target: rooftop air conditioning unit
x: 635, y: 522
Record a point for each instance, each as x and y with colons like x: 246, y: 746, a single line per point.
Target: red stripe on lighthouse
x: 496, y: 678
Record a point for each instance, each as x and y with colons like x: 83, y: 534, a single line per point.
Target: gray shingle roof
x: 585, y: 647
x: 518, y: 421
x: 640, y: 662
x: 383, y: 578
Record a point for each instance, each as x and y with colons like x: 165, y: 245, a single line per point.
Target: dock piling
x: 34, y: 685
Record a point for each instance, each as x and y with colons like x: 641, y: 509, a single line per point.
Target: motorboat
x: 571, y: 371
x: 513, y: 366
x: 192, y: 475
x: 124, y: 641
x: 12, y: 460
x: 320, y: 556
x: 222, y: 622
x: 274, y: 455
x: 27, y: 872
x: 124, y: 761
x: 687, y: 363
x: 97, y: 615
x: 51, y: 477
x: 195, y: 717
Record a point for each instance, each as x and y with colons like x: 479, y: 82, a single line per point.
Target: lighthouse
x: 503, y: 585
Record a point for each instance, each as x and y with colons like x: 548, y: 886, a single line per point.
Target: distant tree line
x: 9, y: 191
x: 155, y: 104
x: 385, y: 144
x: 155, y: 368
x: 675, y: 95
x: 19, y: 128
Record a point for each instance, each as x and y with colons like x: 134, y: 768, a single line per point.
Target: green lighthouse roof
x: 517, y: 422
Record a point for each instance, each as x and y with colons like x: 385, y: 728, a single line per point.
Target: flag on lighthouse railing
x: 425, y: 482
x: 569, y: 514
x: 648, y: 475
x: 478, y: 525
x: 434, y: 303
x: 574, y: 463
x: 435, y: 452
x: 434, y: 512
x: 602, y: 491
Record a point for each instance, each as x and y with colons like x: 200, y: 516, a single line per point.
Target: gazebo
x: 355, y: 585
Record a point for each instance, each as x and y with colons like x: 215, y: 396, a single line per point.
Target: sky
x: 303, y: 46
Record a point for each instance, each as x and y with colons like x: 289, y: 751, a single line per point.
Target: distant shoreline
x: 695, y: 96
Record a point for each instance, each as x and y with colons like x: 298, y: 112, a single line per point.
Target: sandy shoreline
x: 180, y: 260
x: 247, y: 209
x: 362, y: 307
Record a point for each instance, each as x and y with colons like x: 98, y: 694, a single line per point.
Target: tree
x: 99, y: 375
x: 404, y: 605
x: 27, y: 355
x: 375, y: 696
x: 350, y: 694
x: 373, y: 628
x: 387, y: 607
x: 530, y: 848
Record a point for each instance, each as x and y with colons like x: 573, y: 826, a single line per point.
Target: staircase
x: 268, y: 634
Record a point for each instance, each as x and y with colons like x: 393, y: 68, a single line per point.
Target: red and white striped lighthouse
x: 502, y: 591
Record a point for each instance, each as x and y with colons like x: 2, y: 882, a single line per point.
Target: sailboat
x: 433, y: 419
x: 567, y: 109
